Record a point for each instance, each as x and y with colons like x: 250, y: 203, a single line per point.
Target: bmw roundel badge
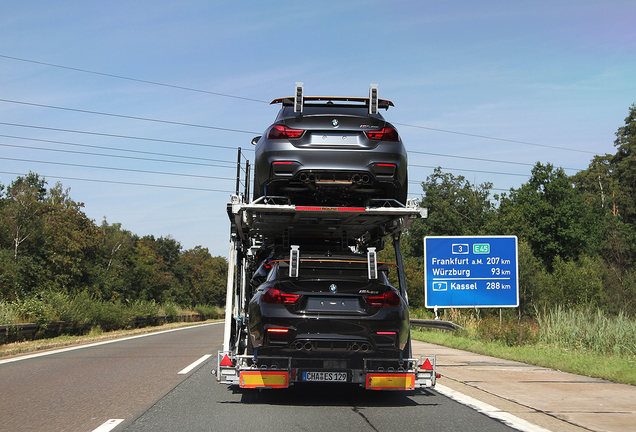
x: 333, y: 288
x: 334, y: 122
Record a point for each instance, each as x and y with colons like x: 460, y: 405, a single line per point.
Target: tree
x: 22, y: 207
x: 456, y: 207
x: 72, y: 243
x: 618, y: 248
x: 624, y: 162
x: 559, y: 222
x: 598, y: 182
x: 206, y: 276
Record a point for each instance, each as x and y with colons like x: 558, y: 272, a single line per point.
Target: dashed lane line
x: 109, y: 425
x: 195, y: 364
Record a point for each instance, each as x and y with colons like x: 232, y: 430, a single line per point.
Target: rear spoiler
x: 299, y: 101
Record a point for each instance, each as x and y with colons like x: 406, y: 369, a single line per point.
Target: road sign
x: 471, y: 271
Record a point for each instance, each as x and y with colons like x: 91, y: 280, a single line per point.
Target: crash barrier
x: 438, y: 324
x: 13, y: 332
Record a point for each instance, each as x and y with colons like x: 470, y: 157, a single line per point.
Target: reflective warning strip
x: 264, y: 379
x: 391, y: 381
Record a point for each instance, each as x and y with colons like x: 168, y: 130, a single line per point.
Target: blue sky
x: 514, y: 82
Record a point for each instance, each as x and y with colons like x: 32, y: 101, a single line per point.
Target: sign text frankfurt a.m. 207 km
x: 471, y: 272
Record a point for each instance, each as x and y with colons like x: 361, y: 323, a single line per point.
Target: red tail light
x: 390, y: 298
x: 283, y: 132
x: 385, y: 134
x: 273, y: 295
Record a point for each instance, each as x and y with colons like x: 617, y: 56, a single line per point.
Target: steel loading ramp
x: 274, y: 217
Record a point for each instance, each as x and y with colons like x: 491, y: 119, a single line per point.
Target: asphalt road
x: 137, y: 382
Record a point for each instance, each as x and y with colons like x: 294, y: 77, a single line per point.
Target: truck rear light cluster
x: 284, y: 132
x: 273, y: 295
x: 389, y: 298
x: 384, y: 134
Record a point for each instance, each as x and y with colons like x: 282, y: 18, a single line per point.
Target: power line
x: 133, y: 79
x: 124, y: 183
x: 262, y: 101
x: 481, y: 159
x: 495, y: 138
x: 114, y: 156
x: 115, y: 169
x: 469, y: 170
x: 116, y: 149
x: 121, y: 136
x: 128, y: 117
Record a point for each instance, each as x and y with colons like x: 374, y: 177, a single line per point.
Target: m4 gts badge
x: 368, y: 292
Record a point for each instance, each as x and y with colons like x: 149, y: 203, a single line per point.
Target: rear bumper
x: 267, y: 372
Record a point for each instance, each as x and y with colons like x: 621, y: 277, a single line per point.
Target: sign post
x: 472, y: 271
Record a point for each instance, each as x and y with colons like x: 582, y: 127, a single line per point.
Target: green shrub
x: 7, y: 314
x: 34, y: 309
x: 209, y: 311
x: 171, y: 309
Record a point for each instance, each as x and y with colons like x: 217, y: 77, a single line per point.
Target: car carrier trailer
x: 252, y: 224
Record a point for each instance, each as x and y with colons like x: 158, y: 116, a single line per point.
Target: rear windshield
x: 310, y: 270
x: 308, y: 110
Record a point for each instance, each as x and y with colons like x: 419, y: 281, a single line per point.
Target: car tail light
x: 277, y: 334
x: 390, y: 298
x: 385, y: 134
x: 283, y: 132
x: 273, y: 295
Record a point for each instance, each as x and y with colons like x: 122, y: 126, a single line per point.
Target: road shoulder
x: 545, y: 397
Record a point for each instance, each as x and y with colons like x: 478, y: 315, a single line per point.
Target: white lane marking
x: 195, y: 364
x: 73, y: 348
x: 109, y: 425
x: 489, y: 410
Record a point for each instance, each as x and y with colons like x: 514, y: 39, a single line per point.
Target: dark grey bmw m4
x: 331, y: 150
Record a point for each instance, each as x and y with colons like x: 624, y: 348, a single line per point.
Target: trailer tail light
x: 284, y: 132
x: 384, y: 134
x: 273, y: 295
x: 390, y: 298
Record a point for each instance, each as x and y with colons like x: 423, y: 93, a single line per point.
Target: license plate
x: 325, y: 376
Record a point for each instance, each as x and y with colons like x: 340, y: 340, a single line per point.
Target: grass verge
x: 620, y: 369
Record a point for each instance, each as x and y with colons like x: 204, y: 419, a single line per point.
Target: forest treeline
x: 577, y: 234
x: 49, y: 245
x: 577, y: 240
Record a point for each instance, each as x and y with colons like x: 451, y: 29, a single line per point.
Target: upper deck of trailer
x: 278, y: 217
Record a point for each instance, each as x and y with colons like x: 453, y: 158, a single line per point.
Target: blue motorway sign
x: 471, y: 271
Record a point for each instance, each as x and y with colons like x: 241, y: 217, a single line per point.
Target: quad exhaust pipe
x: 356, y: 179
x: 309, y: 346
x: 363, y: 347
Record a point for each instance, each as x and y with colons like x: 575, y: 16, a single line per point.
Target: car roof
x: 333, y: 101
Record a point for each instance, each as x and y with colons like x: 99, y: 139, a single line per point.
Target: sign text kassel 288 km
x: 471, y: 272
